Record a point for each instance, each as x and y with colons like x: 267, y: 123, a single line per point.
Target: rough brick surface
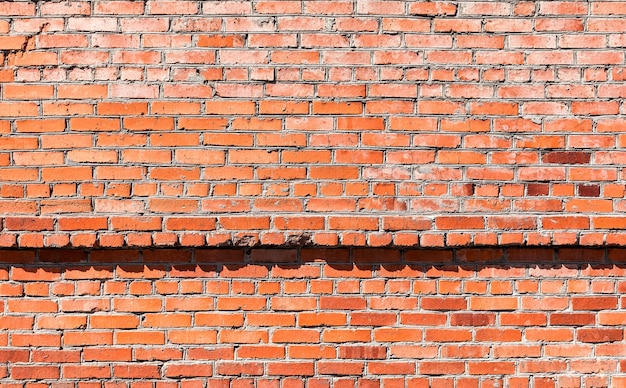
x: 515, y: 317
x: 347, y: 122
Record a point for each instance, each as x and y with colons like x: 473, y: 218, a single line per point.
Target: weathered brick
x: 408, y: 125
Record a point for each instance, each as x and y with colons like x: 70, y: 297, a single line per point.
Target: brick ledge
x: 297, y: 239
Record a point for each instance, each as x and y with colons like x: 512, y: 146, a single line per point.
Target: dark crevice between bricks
x: 497, y: 257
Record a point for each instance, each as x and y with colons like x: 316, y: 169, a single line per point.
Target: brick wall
x: 348, y: 122
x: 312, y: 193
x: 350, y: 318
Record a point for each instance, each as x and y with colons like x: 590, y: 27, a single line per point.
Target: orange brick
x: 28, y: 92
x: 94, y: 124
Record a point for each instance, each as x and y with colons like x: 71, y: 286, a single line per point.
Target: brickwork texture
x: 338, y: 123
x: 313, y: 318
x: 312, y: 194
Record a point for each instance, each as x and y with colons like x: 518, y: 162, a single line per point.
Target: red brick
x: 86, y: 371
x: 179, y: 370
x: 290, y: 369
x: 493, y: 303
x: 594, y: 303
x: 116, y: 321
x: 243, y: 337
x: 23, y: 372
x: 441, y: 367
x: 136, y: 223
x: 73, y: 338
x: 17, y: 323
x: 136, y: 371
x: 63, y: 322
x: 141, y: 338
x: 447, y: 223
x: 598, y: 335
x: 340, y: 368
x: 487, y: 368
x: 363, y: 352
x: 397, y: 335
